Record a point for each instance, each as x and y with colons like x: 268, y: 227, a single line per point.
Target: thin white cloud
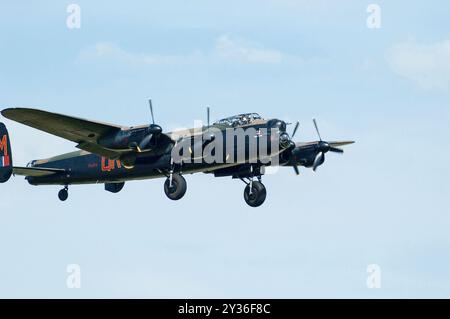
x: 111, y: 51
x: 225, y: 49
x: 428, y: 65
x: 241, y: 50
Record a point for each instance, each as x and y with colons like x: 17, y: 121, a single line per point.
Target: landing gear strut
x: 63, y: 194
x: 175, y: 186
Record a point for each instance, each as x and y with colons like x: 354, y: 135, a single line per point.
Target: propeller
x: 317, y: 129
x: 295, y: 129
x: 152, y: 130
x: 286, y: 141
x: 320, y: 158
x: 297, y: 172
x: 322, y: 148
x: 151, y: 111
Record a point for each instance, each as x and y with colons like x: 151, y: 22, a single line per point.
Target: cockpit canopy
x: 241, y: 119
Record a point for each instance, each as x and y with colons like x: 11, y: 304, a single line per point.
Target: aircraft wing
x: 70, y: 128
x: 85, y: 133
x: 81, y: 131
x: 36, y: 171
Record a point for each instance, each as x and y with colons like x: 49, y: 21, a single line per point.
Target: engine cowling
x: 131, y: 137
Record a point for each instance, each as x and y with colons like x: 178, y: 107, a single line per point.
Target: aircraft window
x: 241, y: 119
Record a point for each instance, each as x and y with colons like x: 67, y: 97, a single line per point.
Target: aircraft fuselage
x: 82, y: 167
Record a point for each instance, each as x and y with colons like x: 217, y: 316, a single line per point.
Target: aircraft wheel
x: 63, y: 194
x: 258, y: 195
x: 178, y: 189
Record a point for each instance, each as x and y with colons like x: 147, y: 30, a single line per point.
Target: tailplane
x: 6, y: 167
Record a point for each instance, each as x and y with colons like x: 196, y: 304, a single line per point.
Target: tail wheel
x: 63, y: 194
x: 178, y: 188
x: 257, y: 196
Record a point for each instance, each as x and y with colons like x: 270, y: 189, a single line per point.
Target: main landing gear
x: 255, y: 192
x: 63, y: 194
x: 175, y: 186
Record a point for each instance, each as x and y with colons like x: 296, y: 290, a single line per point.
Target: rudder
x: 6, y: 165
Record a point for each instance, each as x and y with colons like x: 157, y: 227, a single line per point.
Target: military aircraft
x: 112, y: 154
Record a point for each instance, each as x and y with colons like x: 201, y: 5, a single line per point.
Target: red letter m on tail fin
x: 4, y: 148
x: 6, y: 161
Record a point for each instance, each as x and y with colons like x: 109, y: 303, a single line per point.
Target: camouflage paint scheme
x: 113, y: 154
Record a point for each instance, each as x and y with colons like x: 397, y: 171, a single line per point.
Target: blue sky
x: 384, y: 202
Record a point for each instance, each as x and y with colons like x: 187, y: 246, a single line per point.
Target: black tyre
x: 258, y: 195
x: 63, y: 195
x: 178, y: 189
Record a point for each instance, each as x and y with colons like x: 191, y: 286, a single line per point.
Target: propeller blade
x: 151, y: 110
x: 336, y: 150
x: 296, y: 170
x: 145, y: 141
x: 340, y: 143
x: 320, y: 158
x: 295, y: 129
x: 317, y: 129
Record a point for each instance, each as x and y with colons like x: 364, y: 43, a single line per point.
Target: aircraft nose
x: 285, y: 140
x: 275, y: 123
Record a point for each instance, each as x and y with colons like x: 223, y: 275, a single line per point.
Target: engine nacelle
x: 131, y: 137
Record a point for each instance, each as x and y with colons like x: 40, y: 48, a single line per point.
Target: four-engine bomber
x: 239, y: 146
